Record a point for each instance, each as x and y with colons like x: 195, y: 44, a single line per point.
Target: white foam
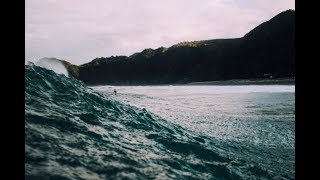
x: 52, y: 64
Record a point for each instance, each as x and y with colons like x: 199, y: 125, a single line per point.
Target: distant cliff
x: 267, y: 50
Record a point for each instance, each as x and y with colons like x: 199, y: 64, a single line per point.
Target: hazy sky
x: 81, y: 30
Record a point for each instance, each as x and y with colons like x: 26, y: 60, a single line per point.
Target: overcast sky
x: 81, y: 30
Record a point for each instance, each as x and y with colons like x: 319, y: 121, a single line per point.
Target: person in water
x: 115, y: 91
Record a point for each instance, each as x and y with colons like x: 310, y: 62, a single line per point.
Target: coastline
x: 279, y: 81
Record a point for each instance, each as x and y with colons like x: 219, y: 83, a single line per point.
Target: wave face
x: 73, y: 132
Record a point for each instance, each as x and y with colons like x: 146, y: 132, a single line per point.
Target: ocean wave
x: 74, y: 132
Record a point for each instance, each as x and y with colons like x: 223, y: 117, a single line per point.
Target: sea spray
x: 52, y: 64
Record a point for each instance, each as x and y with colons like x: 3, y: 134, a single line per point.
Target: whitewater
x: 156, y: 132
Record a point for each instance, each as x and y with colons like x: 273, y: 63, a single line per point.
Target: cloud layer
x: 80, y: 30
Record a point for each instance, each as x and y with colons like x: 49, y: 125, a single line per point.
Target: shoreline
x: 282, y: 81
x: 279, y: 81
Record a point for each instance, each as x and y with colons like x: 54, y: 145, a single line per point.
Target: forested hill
x: 266, y: 50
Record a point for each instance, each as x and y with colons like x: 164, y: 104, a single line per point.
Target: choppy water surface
x: 167, y: 132
x: 261, y: 117
x: 255, y: 114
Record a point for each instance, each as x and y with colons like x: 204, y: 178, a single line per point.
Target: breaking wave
x: 74, y: 132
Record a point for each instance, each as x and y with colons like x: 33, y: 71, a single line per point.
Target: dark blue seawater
x: 74, y: 132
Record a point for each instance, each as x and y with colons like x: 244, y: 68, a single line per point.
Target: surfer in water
x: 115, y: 91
